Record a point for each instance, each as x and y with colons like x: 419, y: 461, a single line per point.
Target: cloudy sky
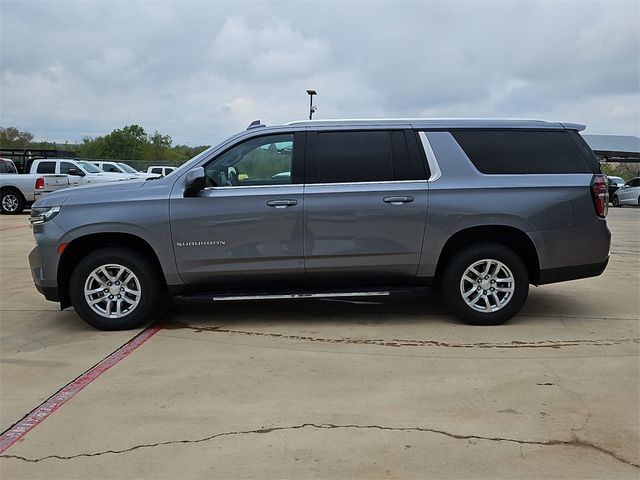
x: 201, y: 70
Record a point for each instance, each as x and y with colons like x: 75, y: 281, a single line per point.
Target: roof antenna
x: 255, y: 124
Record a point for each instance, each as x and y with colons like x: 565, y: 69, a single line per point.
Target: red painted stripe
x: 11, y: 228
x: 41, y: 412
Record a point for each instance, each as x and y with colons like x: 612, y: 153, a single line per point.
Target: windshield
x: 89, y: 167
x: 126, y: 168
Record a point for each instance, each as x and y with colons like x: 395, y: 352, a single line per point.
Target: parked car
x: 481, y: 208
x: 123, y: 168
x: 614, y: 183
x: 18, y: 191
x: 79, y: 172
x: 628, y: 194
x: 7, y: 166
x: 161, y: 170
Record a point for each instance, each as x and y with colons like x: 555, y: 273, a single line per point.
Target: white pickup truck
x: 18, y: 191
x: 79, y: 171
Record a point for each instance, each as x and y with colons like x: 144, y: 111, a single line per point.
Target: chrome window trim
x: 434, y: 168
x: 236, y: 187
x: 382, y: 182
x: 317, y: 184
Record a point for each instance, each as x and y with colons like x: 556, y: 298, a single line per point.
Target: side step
x: 209, y: 297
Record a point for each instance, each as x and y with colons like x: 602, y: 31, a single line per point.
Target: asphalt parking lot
x: 327, y: 389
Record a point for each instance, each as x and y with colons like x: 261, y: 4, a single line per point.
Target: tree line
x: 130, y: 143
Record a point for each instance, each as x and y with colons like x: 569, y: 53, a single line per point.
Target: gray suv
x: 481, y: 208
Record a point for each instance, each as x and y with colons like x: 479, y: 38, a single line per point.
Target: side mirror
x: 195, y: 182
x: 75, y: 171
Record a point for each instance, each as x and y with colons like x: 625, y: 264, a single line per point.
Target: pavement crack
x: 574, y: 442
x: 397, y: 342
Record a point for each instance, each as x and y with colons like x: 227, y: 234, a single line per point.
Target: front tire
x: 11, y: 202
x: 485, y: 284
x: 114, y: 288
x: 615, y: 201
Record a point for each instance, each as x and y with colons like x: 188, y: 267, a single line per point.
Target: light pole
x: 312, y: 108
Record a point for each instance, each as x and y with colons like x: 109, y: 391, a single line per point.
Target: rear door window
x: 362, y: 156
x: 46, y: 167
x: 522, y: 151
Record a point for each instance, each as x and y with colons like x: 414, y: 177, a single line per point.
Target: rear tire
x: 615, y: 201
x: 11, y: 202
x: 485, y: 284
x: 115, y: 288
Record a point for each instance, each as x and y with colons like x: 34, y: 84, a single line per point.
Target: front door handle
x: 282, y: 203
x: 397, y: 200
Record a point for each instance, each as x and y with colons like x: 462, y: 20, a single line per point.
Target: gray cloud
x: 202, y: 70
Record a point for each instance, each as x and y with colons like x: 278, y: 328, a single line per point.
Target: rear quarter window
x: 523, y: 152
x: 46, y: 167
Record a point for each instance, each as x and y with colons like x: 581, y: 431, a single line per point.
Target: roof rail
x: 255, y: 124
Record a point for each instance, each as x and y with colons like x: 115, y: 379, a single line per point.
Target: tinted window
x: 66, y: 166
x: 46, y: 167
x: 634, y: 183
x: 7, y: 167
x: 365, y: 156
x: 518, y: 152
x: 156, y: 170
x: 110, y: 168
x: 258, y: 161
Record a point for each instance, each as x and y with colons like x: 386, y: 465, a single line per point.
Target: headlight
x: 39, y: 215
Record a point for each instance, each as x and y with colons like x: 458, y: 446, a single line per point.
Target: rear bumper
x: 563, y: 274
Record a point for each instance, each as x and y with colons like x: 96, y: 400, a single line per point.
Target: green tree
x: 158, y: 147
x: 127, y: 143
x: 11, y: 137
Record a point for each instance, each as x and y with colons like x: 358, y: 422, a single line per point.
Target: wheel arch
x: 79, y: 247
x: 510, y: 237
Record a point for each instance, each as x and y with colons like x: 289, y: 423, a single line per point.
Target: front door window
x: 258, y: 161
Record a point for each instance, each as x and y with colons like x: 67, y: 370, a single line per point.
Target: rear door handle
x: 282, y: 203
x: 397, y: 200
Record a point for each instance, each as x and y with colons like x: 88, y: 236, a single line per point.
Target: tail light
x: 600, y: 194
x: 39, y: 183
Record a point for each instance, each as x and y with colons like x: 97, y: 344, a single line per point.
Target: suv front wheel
x: 115, y: 289
x: 485, y: 284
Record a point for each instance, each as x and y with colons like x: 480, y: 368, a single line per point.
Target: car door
x: 628, y: 194
x: 65, y: 168
x: 245, y: 227
x: 365, y: 205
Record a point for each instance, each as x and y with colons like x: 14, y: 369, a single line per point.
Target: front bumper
x: 49, y: 291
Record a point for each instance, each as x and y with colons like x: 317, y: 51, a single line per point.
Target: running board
x: 208, y: 297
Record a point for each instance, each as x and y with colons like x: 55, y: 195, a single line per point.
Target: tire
x: 503, y: 302
x: 615, y: 201
x: 137, y: 274
x: 11, y: 202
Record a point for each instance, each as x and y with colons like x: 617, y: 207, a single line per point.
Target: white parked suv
x: 80, y: 172
x: 120, y: 167
x: 628, y: 194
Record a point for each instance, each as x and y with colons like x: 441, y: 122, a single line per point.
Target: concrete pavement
x: 319, y: 389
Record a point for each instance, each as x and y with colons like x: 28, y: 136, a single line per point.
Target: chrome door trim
x: 434, y: 168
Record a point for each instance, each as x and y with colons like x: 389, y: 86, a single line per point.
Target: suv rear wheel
x: 115, y: 289
x: 485, y: 284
